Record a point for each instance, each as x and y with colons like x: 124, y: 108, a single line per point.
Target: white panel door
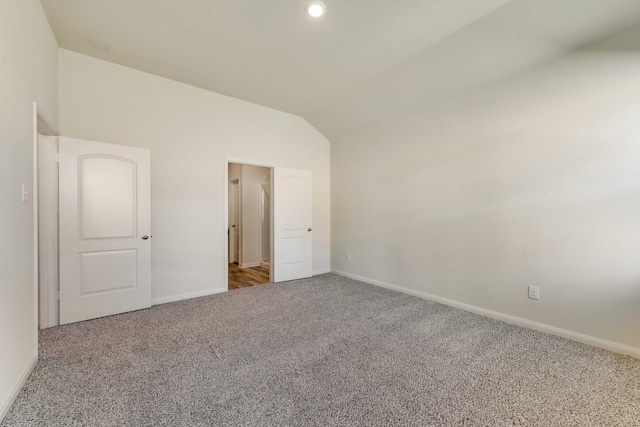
x: 105, y: 229
x: 292, y: 231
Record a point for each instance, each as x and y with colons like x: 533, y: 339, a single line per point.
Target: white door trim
x: 234, y: 246
x: 41, y: 125
x: 225, y: 186
x: 48, y: 230
x: 262, y: 192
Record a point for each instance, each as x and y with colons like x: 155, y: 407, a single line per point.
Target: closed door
x: 292, y: 232
x: 105, y: 229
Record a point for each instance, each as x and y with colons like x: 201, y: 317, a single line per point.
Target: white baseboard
x: 6, y: 405
x: 250, y: 265
x: 564, y: 333
x: 265, y: 264
x: 321, y: 271
x: 174, y: 298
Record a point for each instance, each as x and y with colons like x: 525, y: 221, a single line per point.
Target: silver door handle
x: 145, y: 237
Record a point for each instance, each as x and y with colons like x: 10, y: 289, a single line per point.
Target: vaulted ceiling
x: 363, y: 62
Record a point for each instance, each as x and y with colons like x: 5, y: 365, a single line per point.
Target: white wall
x: 190, y: 131
x: 534, y: 181
x: 252, y: 177
x: 28, y: 73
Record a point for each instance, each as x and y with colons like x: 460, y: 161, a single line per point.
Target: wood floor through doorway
x: 246, y: 277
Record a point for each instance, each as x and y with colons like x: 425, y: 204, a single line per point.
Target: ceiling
x: 363, y: 62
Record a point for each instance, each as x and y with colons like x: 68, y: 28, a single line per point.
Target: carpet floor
x: 320, y: 352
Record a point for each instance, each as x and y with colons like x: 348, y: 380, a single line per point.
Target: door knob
x: 145, y: 237
x: 309, y: 229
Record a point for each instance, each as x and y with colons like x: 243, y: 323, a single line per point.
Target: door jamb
x: 41, y: 126
x: 261, y: 189
x: 238, y: 203
x: 227, y: 160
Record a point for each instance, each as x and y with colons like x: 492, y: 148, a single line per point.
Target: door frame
x: 48, y: 232
x: 262, y: 204
x: 225, y: 183
x: 231, y: 234
x: 45, y: 246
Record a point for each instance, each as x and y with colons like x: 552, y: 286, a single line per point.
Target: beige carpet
x: 327, y: 351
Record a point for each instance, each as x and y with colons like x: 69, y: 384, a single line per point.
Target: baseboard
x: 321, y: 271
x: 564, y: 333
x: 250, y: 265
x: 6, y: 405
x: 174, y: 298
x: 265, y: 264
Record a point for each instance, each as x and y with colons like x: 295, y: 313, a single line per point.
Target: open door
x: 292, y: 228
x: 105, y: 229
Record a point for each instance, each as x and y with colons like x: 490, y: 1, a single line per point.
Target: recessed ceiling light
x: 316, y: 9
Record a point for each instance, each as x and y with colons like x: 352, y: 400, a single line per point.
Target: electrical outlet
x: 348, y: 257
x: 534, y: 292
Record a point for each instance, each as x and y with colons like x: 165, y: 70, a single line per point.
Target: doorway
x: 279, y: 203
x: 249, y: 225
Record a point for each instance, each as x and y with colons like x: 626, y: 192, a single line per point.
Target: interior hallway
x: 246, y: 277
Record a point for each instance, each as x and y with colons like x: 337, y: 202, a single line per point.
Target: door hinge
x: 58, y: 157
x: 58, y: 295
